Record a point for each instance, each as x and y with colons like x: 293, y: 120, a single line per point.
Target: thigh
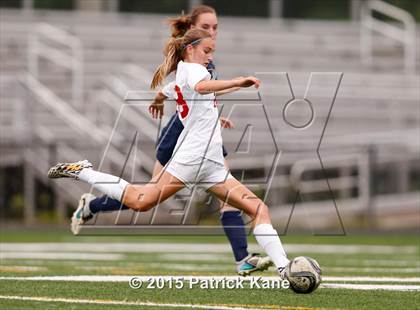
x: 160, y: 188
x: 223, y: 205
x: 157, y: 168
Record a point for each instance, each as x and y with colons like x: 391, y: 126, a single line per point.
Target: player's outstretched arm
x: 229, y: 90
x: 226, y: 91
x: 214, y: 86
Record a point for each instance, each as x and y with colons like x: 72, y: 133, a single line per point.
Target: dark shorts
x: 168, y: 138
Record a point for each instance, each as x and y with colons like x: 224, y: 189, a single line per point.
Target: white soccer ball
x: 304, y: 274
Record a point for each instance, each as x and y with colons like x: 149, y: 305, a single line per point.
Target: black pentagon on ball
x: 298, y: 278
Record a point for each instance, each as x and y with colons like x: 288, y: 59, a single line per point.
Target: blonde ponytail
x: 174, y: 53
x: 172, y: 57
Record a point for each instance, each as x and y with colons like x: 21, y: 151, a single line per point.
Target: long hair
x: 181, y: 24
x: 175, y: 50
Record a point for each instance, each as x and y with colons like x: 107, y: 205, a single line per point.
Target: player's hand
x: 226, y: 123
x: 156, y: 109
x: 249, y: 81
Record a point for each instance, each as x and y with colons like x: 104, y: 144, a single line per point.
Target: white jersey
x: 201, y: 137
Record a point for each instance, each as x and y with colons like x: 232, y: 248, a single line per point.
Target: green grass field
x: 359, y: 271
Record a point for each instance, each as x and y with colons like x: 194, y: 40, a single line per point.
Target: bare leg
x: 237, y: 195
x: 223, y: 205
x: 160, y: 188
x: 139, y: 198
x: 157, y: 168
x: 234, y: 228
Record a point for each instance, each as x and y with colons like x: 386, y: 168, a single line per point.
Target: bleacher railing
x: 405, y: 35
x: 54, y: 44
x: 70, y: 56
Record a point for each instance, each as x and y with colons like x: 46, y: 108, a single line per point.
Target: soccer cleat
x: 68, y: 170
x: 253, y: 262
x: 82, y: 213
x: 282, y: 272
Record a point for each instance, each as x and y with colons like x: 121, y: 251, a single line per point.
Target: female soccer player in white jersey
x: 198, y: 158
x: 201, y: 17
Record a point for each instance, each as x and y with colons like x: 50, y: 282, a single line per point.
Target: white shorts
x: 204, y: 174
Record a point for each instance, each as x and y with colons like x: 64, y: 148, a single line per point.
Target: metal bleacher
x: 375, y: 118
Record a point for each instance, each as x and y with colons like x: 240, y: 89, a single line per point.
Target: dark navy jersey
x: 170, y: 133
x: 212, y: 69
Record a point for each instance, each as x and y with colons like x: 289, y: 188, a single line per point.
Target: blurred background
x: 67, y: 65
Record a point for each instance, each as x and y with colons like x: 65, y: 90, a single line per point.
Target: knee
x: 261, y: 211
x: 140, y: 200
x: 144, y: 203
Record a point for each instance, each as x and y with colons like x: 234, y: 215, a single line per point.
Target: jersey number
x: 183, y: 107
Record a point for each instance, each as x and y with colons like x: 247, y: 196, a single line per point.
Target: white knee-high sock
x: 108, y: 184
x: 269, y: 240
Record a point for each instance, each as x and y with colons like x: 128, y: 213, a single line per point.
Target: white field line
x: 125, y: 303
x: 365, y: 287
x: 125, y: 278
x: 228, y: 267
x: 381, y: 262
x: 197, y: 248
x: 373, y: 279
x: 61, y: 256
x: 393, y: 263
x: 325, y: 284
x: 372, y: 269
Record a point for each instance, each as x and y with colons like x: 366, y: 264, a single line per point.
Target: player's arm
x: 214, y: 86
x: 156, y: 107
x: 229, y: 90
x: 226, y: 123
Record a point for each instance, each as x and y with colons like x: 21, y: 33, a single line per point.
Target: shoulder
x: 194, y: 66
x: 196, y: 71
x: 190, y: 68
x: 191, y: 73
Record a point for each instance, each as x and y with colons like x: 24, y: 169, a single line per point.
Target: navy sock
x: 105, y: 203
x: 233, y: 225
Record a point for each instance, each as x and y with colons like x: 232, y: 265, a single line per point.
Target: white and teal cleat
x: 68, y: 170
x: 253, y: 262
x: 82, y: 213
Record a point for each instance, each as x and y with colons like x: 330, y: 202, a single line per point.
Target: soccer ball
x: 304, y: 274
